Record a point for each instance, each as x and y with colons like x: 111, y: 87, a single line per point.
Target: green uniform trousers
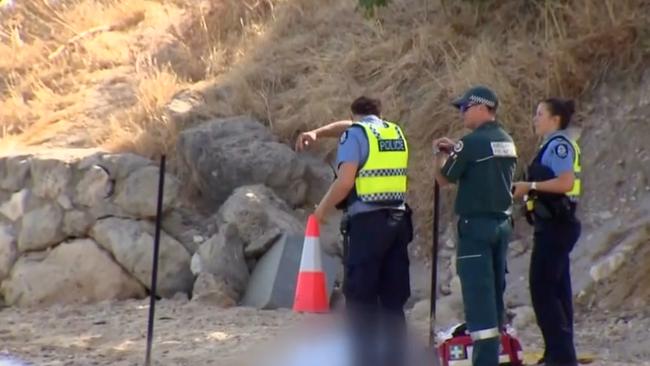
x: 481, y: 262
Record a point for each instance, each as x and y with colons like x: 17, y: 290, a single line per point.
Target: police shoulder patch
x: 344, y: 137
x: 562, y: 150
x: 458, y: 147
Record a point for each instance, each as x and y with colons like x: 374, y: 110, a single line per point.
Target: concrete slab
x: 273, y: 282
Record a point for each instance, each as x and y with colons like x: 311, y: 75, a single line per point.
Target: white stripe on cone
x: 311, y: 256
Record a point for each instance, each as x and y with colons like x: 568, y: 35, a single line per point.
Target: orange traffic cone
x: 311, y: 291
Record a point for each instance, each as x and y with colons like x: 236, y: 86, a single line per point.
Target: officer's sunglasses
x: 465, y: 107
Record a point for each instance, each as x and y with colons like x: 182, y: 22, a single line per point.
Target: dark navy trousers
x: 550, y: 288
x: 377, y: 284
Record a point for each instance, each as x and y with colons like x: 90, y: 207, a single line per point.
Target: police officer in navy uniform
x: 551, y: 191
x: 370, y: 188
x: 482, y: 163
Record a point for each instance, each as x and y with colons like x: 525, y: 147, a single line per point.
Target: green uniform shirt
x: 483, y: 164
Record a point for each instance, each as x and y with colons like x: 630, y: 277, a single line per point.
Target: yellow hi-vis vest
x: 382, y: 179
x: 577, y: 170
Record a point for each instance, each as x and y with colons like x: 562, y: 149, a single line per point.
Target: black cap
x: 479, y: 95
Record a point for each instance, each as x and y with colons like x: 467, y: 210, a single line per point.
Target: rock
x: 118, y: 166
x: 223, y: 256
x: 15, y: 208
x: 213, y: 290
x: 14, y: 171
x: 448, y: 312
x: 186, y: 107
x: 77, y: 223
x: 318, y: 175
x: 607, y: 267
x: 8, y: 251
x: 73, y: 272
x: 420, y: 311
x: 452, y: 263
x: 262, y: 244
x: 180, y: 297
x: 186, y: 227
x: 337, y: 301
x: 455, y: 286
x: 451, y: 307
x: 450, y: 243
x: 64, y: 201
x: 518, y: 247
x: 330, y: 235
x: 604, y: 215
x: 131, y: 243
x: 50, y: 177
x: 95, y: 187
x: 260, y: 217
x: 223, y: 154
x: 138, y: 193
x: 41, y: 228
x: 620, y: 254
x: 250, y: 264
x: 524, y: 318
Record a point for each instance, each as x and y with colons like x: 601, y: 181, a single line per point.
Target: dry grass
x: 416, y: 57
x: 53, y: 56
x: 296, y: 64
x: 144, y: 129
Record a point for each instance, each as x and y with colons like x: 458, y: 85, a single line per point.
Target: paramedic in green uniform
x: 482, y: 164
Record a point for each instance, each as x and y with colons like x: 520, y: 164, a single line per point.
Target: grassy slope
x: 296, y: 64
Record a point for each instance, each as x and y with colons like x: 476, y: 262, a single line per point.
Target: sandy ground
x: 188, y: 333
x: 114, y: 333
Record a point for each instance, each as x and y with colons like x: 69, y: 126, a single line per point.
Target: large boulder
x: 14, y: 208
x: 14, y: 171
x: 260, y: 216
x: 214, y: 290
x: 118, y: 166
x: 131, y: 243
x: 41, y: 228
x: 223, y: 154
x: 319, y: 176
x: 50, y: 177
x: 73, y: 272
x: 8, y: 251
x: 123, y: 185
x: 222, y: 256
x: 186, y: 226
x: 77, y: 223
x: 94, y: 187
x: 138, y: 194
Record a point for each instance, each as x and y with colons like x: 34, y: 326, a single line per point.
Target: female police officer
x: 551, y: 193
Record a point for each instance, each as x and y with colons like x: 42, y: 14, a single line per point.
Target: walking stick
x: 434, y: 268
x: 154, y: 271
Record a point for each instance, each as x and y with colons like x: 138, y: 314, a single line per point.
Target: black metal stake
x: 154, y: 271
x: 434, y: 262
